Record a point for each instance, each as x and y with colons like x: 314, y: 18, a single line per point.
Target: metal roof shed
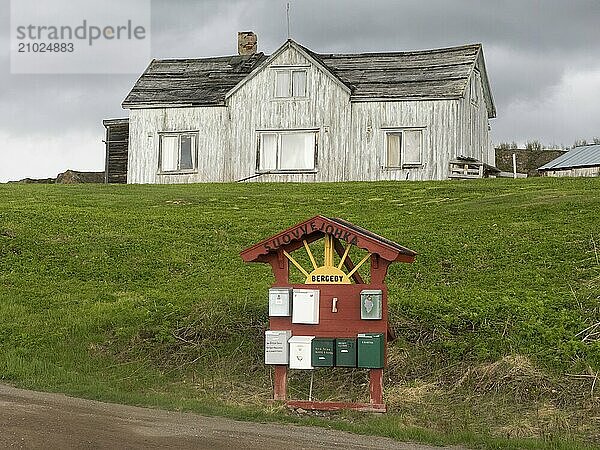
x: 581, y: 161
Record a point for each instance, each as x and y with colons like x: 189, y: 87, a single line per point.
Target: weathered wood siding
x: 351, y: 135
x: 116, y: 148
x: 326, y: 109
x: 370, y: 120
x: 575, y: 172
x: 213, y: 138
x: 474, y: 137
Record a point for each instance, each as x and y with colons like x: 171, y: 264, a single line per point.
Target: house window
x: 404, y: 148
x: 178, y: 152
x: 290, y: 83
x: 287, y: 151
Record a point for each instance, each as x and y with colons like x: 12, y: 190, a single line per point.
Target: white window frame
x: 179, y: 135
x: 403, y: 163
x: 279, y: 133
x: 290, y: 71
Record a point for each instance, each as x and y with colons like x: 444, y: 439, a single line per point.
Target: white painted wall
x: 351, y: 135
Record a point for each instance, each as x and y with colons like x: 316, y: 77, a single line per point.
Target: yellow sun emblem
x: 328, y: 273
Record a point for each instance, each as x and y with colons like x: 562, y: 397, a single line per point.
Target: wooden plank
x: 336, y: 406
x: 280, y: 384
x: 376, y: 386
x: 348, y: 264
x: 346, y: 322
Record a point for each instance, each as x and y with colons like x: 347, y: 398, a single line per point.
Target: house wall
x: 474, y: 138
x: 351, y: 135
x: 577, y: 172
x: 326, y: 109
x: 213, y: 143
x: 370, y: 120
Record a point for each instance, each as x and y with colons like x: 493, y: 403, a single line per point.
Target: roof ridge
x: 399, y: 53
x: 210, y: 58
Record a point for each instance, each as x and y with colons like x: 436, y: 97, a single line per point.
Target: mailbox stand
x: 332, y: 303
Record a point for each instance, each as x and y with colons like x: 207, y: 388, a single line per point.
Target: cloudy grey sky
x: 543, y: 60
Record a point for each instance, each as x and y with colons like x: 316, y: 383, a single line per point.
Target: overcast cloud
x: 543, y: 61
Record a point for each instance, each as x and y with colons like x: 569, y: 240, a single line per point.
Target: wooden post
x: 376, y: 386
x: 280, y: 388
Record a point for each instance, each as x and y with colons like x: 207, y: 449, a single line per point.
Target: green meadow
x: 137, y: 294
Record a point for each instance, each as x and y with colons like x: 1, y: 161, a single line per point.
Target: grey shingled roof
x: 195, y: 82
x: 441, y: 73
x: 584, y: 156
x: 429, y: 74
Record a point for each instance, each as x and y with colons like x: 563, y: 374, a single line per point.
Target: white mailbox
x: 279, y: 302
x: 300, y: 352
x: 305, y: 306
x: 276, y: 347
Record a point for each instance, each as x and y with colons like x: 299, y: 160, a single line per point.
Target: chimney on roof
x: 246, y: 43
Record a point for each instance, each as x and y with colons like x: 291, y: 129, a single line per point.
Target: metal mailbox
x: 329, y: 297
x: 300, y: 352
x: 371, y: 350
x: 371, y: 304
x: 323, y: 352
x: 276, y: 347
x: 345, y: 352
x: 279, y: 302
x: 305, y: 306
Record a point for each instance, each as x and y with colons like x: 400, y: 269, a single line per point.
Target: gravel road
x: 53, y: 421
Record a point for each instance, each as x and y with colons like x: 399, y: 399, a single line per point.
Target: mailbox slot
x: 371, y: 304
x: 300, y: 352
x: 305, y: 306
x: 323, y: 352
x: 279, y: 302
x: 345, y: 352
x: 371, y: 350
x: 276, y: 347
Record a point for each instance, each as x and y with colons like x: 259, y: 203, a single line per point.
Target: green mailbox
x: 345, y: 352
x: 371, y: 350
x: 323, y: 352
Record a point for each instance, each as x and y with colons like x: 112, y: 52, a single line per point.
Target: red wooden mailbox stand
x: 340, y: 291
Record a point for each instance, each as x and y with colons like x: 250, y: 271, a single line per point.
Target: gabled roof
x: 190, y: 82
x: 420, y: 74
x: 584, y: 156
x: 316, y: 227
x: 417, y: 75
x: 304, y: 51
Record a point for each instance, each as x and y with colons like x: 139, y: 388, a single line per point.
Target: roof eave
x: 125, y: 102
x: 487, y: 90
x: 153, y: 105
x: 388, y: 250
x: 368, y: 98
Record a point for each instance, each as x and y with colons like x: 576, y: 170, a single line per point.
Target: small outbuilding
x: 117, y: 150
x: 581, y: 161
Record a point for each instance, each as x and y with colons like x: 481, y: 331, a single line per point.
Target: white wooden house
x: 301, y: 116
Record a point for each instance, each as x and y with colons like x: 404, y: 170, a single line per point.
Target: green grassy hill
x: 137, y: 294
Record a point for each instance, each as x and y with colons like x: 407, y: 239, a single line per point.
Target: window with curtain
x: 178, y: 152
x: 287, y: 151
x: 404, y: 148
x: 290, y: 83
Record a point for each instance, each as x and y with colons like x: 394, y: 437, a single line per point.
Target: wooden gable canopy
x: 383, y: 251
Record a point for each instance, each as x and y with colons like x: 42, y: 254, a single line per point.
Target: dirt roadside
x: 31, y: 419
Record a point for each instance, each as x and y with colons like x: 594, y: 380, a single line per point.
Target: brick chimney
x: 246, y: 43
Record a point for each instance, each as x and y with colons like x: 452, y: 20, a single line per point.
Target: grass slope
x: 137, y: 294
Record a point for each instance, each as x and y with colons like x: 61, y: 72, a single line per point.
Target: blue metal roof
x: 584, y: 156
